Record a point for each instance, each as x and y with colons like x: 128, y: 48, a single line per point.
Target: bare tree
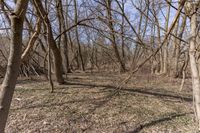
x: 56, y: 52
x: 9, y: 82
x: 64, y: 38
x: 77, y: 36
x: 110, y: 20
x: 191, y: 8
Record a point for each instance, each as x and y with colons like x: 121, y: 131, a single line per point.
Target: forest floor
x: 147, y: 104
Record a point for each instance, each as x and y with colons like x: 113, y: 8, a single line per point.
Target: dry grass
x: 147, y: 104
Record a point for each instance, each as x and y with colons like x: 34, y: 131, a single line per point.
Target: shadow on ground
x: 106, y: 95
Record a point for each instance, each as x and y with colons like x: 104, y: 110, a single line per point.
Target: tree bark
x: 194, y: 67
x: 77, y: 36
x: 178, y: 44
x: 32, y: 41
x: 9, y: 82
x: 122, y: 36
x: 112, y: 35
x: 64, y: 39
x: 165, y: 48
x: 56, y: 53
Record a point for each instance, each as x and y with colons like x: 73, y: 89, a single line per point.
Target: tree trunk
x: 178, y: 44
x: 77, y: 36
x: 9, y: 82
x: 56, y: 53
x: 122, y: 36
x: 165, y: 48
x: 32, y: 41
x: 194, y: 67
x: 64, y: 39
x: 112, y: 35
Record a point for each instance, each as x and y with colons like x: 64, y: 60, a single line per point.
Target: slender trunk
x: 158, y: 40
x: 165, y: 50
x: 56, y: 52
x: 32, y: 41
x: 77, y: 36
x: 122, y: 37
x: 9, y: 82
x: 176, y: 50
x: 49, y: 70
x: 137, y: 51
x: 154, y: 65
x: 69, y: 33
x: 178, y: 43
x: 160, y: 52
x: 112, y: 35
x: 194, y: 67
x: 64, y: 39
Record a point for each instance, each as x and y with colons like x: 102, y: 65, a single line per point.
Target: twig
x: 125, y: 81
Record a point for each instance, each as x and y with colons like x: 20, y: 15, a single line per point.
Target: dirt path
x: 86, y: 104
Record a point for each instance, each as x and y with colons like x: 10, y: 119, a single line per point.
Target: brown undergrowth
x: 147, y: 104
